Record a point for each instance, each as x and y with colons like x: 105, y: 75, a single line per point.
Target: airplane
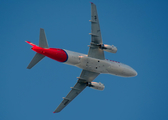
x: 92, y: 64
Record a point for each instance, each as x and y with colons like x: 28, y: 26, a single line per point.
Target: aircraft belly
x: 94, y: 65
x: 87, y: 63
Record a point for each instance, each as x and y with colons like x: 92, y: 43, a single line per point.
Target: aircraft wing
x: 86, y: 76
x: 96, y: 39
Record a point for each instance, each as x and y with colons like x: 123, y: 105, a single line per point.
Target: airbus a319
x: 92, y: 64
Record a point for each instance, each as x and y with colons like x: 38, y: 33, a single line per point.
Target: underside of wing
x: 71, y: 95
x: 96, y: 40
x: 86, y: 76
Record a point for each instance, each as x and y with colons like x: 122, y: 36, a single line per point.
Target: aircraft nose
x: 134, y: 73
x: 129, y: 72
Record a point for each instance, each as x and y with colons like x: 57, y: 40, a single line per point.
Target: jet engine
x: 109, y: 48
x: 95, y: 85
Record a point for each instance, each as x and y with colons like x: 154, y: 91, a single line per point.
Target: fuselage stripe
x: 66, y: 55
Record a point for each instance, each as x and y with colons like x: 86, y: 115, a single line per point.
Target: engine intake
x: 95, y: 85
x: 109, y: 48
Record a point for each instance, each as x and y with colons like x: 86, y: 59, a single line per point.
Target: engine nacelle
x: 97, y: 86
x: 109, y: 48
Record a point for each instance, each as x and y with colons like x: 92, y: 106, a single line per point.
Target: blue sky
x: 138, y: 29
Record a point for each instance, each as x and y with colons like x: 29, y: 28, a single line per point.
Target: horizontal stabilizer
x: 35, y: 60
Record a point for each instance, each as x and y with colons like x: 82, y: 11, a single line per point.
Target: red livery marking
x: 30, y: 43
x: 27, y: 41
x: 53, y: 53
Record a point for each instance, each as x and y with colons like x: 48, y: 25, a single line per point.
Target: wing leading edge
x: 86, y: 76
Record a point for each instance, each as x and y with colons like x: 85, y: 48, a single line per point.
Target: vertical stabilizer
x: 42, y: 39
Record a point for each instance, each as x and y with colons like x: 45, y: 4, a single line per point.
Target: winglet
x: 91, y: 2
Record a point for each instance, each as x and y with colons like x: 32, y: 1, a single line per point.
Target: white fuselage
x: 99, y: 66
